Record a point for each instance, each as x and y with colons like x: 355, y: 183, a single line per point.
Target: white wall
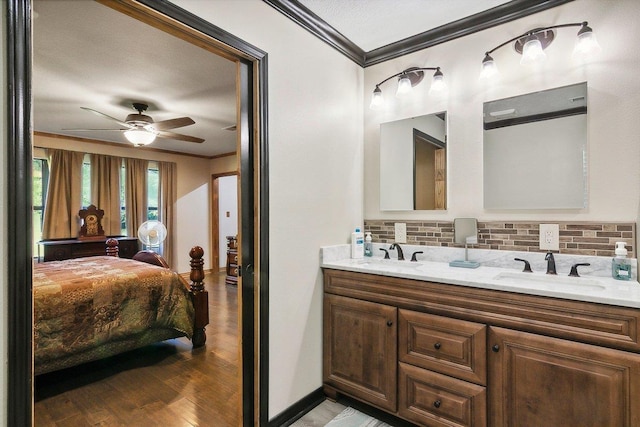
x: 613, y: 109
x: 315, y: 179
x: 193, y: 205
x: 227, y: 203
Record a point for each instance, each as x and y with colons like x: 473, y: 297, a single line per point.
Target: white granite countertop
x: 498, y: 271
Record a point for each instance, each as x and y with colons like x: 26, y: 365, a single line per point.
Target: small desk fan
x: 152, y: 234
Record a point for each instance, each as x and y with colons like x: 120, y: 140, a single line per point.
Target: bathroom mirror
x: 413, y: 163
x: 465, y: 231
x: 535, y: 150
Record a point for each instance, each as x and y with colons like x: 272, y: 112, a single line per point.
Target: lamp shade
x: 438, y: 84
x: 532, y: 51
x: 404, y: 85
x: 377, y: 100
x: 139, y: 136
x: 586, y: 44
x: 489, y: 68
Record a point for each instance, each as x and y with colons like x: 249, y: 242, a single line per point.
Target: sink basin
x: 385, y: 263
x: 551, y: 282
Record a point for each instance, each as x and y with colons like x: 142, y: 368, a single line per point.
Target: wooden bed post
x: 199, y: 295
x: 112, y: 247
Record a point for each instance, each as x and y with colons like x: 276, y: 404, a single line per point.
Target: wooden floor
x: 166, y: 384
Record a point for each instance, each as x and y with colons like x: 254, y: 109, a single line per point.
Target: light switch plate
x: 549, y: 237
x: 400, y: 232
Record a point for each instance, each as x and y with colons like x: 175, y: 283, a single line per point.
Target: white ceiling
x: 88, y: 55
x: 371, y: 24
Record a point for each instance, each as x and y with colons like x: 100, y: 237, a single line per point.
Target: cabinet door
x: 541, y: 381
x: 360, y: 349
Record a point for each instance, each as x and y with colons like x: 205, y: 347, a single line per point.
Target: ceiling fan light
x: 532, y: 51
x: 404, y: 85
x: 139, y: 137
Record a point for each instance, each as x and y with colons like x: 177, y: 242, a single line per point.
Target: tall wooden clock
x: 91, y: 223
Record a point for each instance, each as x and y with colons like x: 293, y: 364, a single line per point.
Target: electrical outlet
x: 549, y: 237
x: 401, y: 232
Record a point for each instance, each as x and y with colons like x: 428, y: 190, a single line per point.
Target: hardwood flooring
x: 166, y: 384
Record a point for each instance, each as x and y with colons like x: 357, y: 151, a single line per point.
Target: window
x: 41, y: 179
x: 123, y: 201
x: 153, y: 196
x: 86, y: 181
x: 40, y: 182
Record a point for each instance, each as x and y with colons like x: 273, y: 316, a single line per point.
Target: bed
x: 90, y: 308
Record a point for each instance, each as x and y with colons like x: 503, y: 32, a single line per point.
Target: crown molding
x: 480, y: 21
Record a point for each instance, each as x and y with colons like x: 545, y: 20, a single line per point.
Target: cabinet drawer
x: 432, y: 399
x: 449, y: 346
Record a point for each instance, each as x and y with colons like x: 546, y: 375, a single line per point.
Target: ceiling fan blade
x: 172, y: 123
x: 121, y: 123
x: 179, y: 137
x: 93, y: 130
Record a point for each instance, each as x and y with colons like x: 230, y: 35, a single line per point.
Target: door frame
x: 254, y: 195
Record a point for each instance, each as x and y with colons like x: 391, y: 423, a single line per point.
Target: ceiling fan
x: 140, y: 129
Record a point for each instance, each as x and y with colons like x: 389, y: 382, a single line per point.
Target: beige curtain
x: 105, y: 190
x: 64, y: 194
x: 166, y: 206
x: 135, y: 193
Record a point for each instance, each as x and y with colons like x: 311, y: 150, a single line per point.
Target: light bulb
x: 377, y: 100
x: 532, y: 51
x: 438, y: 84
x: 586, y: 44
x: 404, y: 85
x: 139, y: 136
x: 489, y: 67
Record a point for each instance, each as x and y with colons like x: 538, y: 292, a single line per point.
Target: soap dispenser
x: 620, y: 265
x: 368, y: 246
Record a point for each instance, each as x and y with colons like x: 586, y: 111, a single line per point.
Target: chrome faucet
x: 551, y: 263
x: 397, y: 247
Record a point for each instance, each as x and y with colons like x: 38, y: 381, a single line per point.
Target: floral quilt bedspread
x: 83, y: 303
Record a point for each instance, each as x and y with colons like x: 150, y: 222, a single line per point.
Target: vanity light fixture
x: 531, y: 46
x: 407, y: 79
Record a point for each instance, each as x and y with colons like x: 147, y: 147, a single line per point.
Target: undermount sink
x: 551, y: 282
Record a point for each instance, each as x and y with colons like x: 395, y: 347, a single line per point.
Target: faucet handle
x: 527, y: 266
x: 386, y: 253
x: 413, y: 256
x: 574, y: 269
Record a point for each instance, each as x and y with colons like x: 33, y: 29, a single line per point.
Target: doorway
x: 224, y: 218
x: 252, y: 143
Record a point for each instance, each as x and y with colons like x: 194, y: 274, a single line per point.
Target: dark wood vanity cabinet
x: 361, y: 349
x: 543, y: 381
x: 444, y: 355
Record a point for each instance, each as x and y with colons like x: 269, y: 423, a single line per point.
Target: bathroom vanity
x: 448, y: 354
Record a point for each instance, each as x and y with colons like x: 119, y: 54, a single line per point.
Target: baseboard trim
x: 298, y: 409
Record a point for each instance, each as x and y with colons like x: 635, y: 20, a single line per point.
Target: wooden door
x: 541, y: 381
x: 360, y: 349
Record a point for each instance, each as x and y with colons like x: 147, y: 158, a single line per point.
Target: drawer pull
x: 389, y: 323
x: 437, y: 403
x: 437, y: 346
x: 495, y: 348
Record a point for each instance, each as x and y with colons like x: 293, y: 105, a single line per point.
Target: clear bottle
x: 620, y: 265
x: 357, y: 244
x: 368, y: 246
